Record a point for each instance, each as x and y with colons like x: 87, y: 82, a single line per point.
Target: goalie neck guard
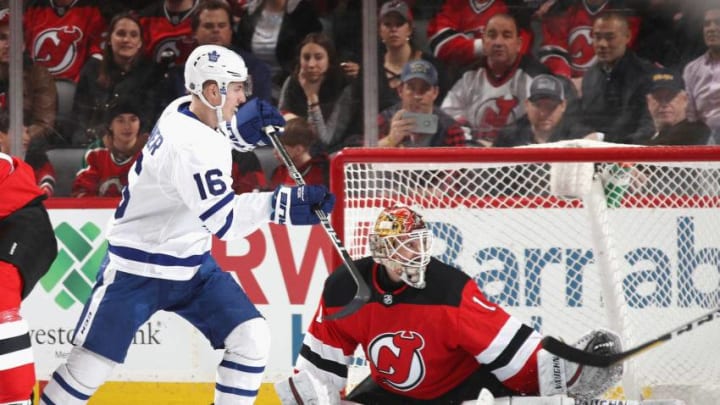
x: 401, y: 242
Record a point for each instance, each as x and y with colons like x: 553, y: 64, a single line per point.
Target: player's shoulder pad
x: 444, y: 283
x: 340, y: 286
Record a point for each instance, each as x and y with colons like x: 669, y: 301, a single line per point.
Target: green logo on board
x: 73, y: 272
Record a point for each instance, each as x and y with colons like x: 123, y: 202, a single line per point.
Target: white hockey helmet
x: 213, y: 63
x: 401, y: 241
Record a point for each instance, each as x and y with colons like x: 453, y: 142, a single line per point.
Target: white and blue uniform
x: 179, y: 194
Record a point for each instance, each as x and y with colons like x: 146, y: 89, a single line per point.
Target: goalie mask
x: 401, y: 242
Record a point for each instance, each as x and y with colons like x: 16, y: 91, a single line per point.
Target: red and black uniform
x: 314, y: 171
x: 104, y: 176
x: 454, y: 29
x: 247, y: 172
x: 27, y: 249
x: 63, y: 38
x: 443, y: 343
x: 168, y: 38
x: 567, y: 47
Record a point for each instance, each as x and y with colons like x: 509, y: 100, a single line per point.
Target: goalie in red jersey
x: 429, y: 334
x: 27, y: 248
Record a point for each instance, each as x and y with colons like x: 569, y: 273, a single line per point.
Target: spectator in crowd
x: 667, y: 102
x: 567, y: 46
x: 124, y: 73
x: 39, y: 92
x: 319, y: 91
x: 668, y: 34
x: 297, y: 140
x: 35, y: 154
x: 107, y: 167
x: 212, y: 25
x: 247, y: 173
x: 167, y: 33
x: 63, y: 34
x: 456, y: 33
x: 271, y: 29
x: 545, y: 120
x: 493, y: 95
x: 702, y: 77
x: 418, y: 90
x: 614, y: 88
x: 398, y: 48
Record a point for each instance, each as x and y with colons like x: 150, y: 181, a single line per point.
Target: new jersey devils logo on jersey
x: 582, y: 54
x: 494, y: 114
x: 397, y: 357
x: 57, y: 48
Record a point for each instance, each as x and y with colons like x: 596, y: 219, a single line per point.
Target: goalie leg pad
x: 75, y: 381
x: 305, y: 389
x: 241, y: 371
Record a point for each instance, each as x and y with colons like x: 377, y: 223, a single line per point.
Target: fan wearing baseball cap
x: 545, y: 120
x: 396, y: 31
x: 667, y: 103
x: 418, y: 91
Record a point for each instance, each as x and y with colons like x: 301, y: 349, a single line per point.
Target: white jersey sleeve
x: 179, y: 194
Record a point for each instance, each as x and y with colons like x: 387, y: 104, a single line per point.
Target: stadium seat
x: 67, y: 162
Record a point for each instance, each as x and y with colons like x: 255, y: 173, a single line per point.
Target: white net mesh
x: 633, y: 247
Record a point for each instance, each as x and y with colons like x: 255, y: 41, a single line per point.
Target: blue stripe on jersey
x: 236, y: 391
x: 68, y: 388
x: 215, y: 208
x: 224, y: 229
x: 156, y: 258
x: 242, y: 367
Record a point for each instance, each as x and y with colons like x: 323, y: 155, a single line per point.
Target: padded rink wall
x: 169, y: 361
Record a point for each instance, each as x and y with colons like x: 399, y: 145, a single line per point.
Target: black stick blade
x: 576, y: 355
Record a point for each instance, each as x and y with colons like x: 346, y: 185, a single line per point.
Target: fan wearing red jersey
x: 428, y: 334
x: 27, y: 248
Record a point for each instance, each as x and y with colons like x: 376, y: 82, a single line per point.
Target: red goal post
x: 568, y: 238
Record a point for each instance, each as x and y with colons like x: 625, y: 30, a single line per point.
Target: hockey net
x: 568, y: 239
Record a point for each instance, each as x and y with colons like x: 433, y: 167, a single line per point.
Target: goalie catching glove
x: 558, y: 376
x: 296, y: 205
x: 246, y: 128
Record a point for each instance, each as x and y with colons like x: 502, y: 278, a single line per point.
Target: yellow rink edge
x: 167, y: 393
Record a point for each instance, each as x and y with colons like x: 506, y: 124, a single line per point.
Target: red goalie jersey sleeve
x: 453, y: 31
x: 419, y: 343
x: 63, y: 38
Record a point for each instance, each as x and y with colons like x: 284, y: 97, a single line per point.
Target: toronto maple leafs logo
x: 213, y: 56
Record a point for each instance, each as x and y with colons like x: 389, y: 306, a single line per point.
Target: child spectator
x: 320, y: 92
x: 297, y: 140
x: 63, y: 34
x: 107, y: 167
x: 123, y: 74
x: 247, y: 172
x: 35, y: 154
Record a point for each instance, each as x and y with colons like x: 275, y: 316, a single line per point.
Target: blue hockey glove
x: 296, y: 205
x: 245, y: 129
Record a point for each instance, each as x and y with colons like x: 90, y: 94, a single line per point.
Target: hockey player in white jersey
x: 179, y: 194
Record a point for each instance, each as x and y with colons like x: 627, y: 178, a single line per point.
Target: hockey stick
x: 362, y: 295
x: 576, y: 355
